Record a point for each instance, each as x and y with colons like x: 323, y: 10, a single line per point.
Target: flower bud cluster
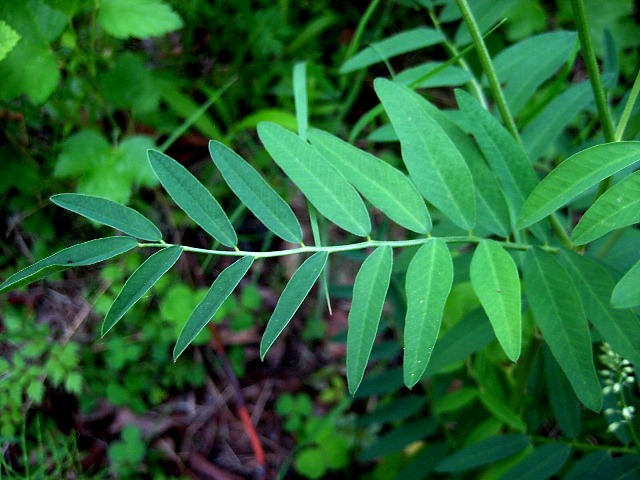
x: 618, y: 374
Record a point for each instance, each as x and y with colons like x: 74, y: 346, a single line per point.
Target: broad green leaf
x: 485, y: 452
x: 399, y: 438
x: 139, y: 19
x: 256, y: 193
x: 618, y: 207
x: 222, y: 287
x: 575, y: 175
x: 564, y: 404
x: 502, y: 411
x: 87, y: 253
x: 544, y: 462
x: 619, y: 328
x: 139, y: 283
x: 292, y: 297
x: 557, y: 309
x: 384, y: 186
x: 192, y: 197
x: 113, y: 214
x: 402, y: 42
x: 369, y: 293
x: 429, y: 280
x: 393, y: 411
x: 455, y: 400
x: 320, y: 182
x: 495, y: 280
x: 433, y: 74
x: 627, y: 292
x: 432, y: 159
x: 8, y: 39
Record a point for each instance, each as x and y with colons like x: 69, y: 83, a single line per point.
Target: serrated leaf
x: 428, y: 283
x: 292, y: 297
x: 619, y: 328
x: 384, y: 186
x: 8, y: 39
x: 256, y: 193
x: 495, y: 280
x: 139, y: 283
x: 627, y: 292
x: 369, y: 293
x: 485, y: 452
x: 575, y: 175
x: 392, y: 46
x: 557, y: 309
x: 192, y: 197
x: 222, y: 287
x: 110, y: 213
x: 139, y: 19
x: 434, y: 163
x: 564, y: 404
x: 87, y: 253
x: 542, y: 463
x: 616, y: 208
x: 320, y: 182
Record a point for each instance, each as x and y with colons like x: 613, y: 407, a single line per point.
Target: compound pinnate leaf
x: 616, y: 208
x: 428, y: 283
x: 108, y: 212
x: 434, y: 163
x: 292, y: 297
x: 192, y: 197
x: 575, y: 175
x: 557, y: 309
x: 222, y: 287
x: 495, y: 280
x: 627, y: 292
x: 256, y: 193
x: 485, y: 452
x: 369, y: 293
x: 321, y: 183
x: 385, y: 187
x: 139, y: 283
x: 87, y: 253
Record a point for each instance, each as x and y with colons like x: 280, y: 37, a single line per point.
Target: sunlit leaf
x: 485, y: 452
x: 542, y: 463
x: 139, y: 19
x: 627, y: 292
x: 8, y: 39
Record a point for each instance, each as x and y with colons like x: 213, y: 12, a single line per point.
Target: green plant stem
x: 487, y: 67
x: 628, y: 108
x: 559, y: 230
x: 586, y: 447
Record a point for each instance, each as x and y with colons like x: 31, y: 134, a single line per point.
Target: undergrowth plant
x: 529, y: 230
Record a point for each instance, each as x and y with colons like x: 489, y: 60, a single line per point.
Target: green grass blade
x: 432, y: 159
x: 384, y: 186
x: 192, y: 197
x: 139, y: 283
x: 222, y: 287
x: 292, y: 297
x: 627, y: 292
x: 256, y: 193
x: 557, y: 309
x: 428, y: 283
x: 574, y: 176
x: 320, y: 182
x: 485, y: 452
x: 616, y: 208
x: 369, y: 293
x: 108, y: 212
x: 495, y: 280
x: 87, y: 253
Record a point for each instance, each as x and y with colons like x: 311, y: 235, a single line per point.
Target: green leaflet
x: 110, y: 213
x: 292, y: 297
x: 399, y: 437
x: 557, y: 309
x: 320, y: 182
x: 502, y: 411
x: 192, y: 197
x: 564, y: 404
x: 139, y: 283
x: 618, y: 207
x: 369, y: 293
x: 384, y: 186
x: 574, y: 176
x: 432, y: 159
x: 627, y: 292
x: 300, y: 98
x: 429, y: 280
x: 256, y: 193
x: 620, y: 328
x: 87, y: 253
x: 485, y: 452
x: 544, y: 462
x: 222, y: 287
x: 402, y: 42
x: 495, y: 280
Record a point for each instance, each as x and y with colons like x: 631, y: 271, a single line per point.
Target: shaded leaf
x: 292, y: 297
x: 394, y: 411
x: 192, y: 197
x: 544, y: 462
x: 627, y: 291
x: 399, y: 438
x: 485, y: 452
x: 564, y: 404
x: 87, y: 253
x: 139, y: 283
x: 502, y: 411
